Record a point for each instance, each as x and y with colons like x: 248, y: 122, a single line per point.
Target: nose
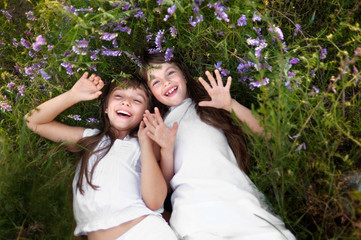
x: 125, y: 102
x: 166, y: 82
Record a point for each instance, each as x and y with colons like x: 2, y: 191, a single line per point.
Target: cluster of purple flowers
x: 5, y: 104
x: 218, y: 66
x: 7, y: 14
x: 219, y: 11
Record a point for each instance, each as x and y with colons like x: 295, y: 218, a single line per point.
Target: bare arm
x: 41, y: 119
x: 221, y: 98
x: 165, y: 138
x: 153, y: 185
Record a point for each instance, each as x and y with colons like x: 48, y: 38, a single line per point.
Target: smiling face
x: 167, y: 83
x: 125, y: 108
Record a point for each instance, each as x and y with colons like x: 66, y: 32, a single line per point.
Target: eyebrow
x: 152, y: 77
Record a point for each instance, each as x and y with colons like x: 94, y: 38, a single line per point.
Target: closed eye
x: 155, y: 82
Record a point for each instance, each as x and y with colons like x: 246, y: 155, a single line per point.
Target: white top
x: 118, y: 198
x: 210, y: 193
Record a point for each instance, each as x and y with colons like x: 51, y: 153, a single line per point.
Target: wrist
x: 73, y: 96
x: 229, y: 107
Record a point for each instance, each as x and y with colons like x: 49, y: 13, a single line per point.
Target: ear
x: 106, y: 111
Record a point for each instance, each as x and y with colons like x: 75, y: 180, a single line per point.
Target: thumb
x: 205, y: 104
x: 174, y: 128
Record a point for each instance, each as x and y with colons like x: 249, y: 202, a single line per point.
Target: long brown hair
x: 218, y: 118
x: 86, y: 146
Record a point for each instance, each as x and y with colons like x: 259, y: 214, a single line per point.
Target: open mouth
x: 171, y: 91
x: 123, y: 113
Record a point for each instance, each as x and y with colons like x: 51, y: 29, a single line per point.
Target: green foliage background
x: 316, y: 189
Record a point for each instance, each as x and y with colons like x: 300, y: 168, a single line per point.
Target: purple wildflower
x: 154, y: 50
x: 75, y: 117
x: 17, y: 68
x: 21, y: 90
x: 197, y: 20
x: 134, y: 58
x: 123, y: 29
x: 92, y: 120
x: 160, y: 2
x: 30, y: 16
x: 294, y: 61
x: 32, y: 53
x: 15, y: 42
x: 50, y: 47
x: 115, y: 44
x: 297, y: 30
x: 159, y: 39
x: 243, y: 67
x: 67, y: 53
x: 89, y: 9
x: 94, y: 55
x: 44, y: 74
x: 11, y: 86
x: 68, y: 67
x: 71, y: 9
x: 258, y: 84
x: 92, y: 67
x: 195, y: 9
x: 300, y: 147
x: 40, y: 41
x: 28, y: 71
x: 173, y: 31
x: 315, y: 89
x: 258, y: 49
x: 256, y: 18
x: 170, y: 11
x: 7, y: 14
x: 82, y: 43
x: 111, y: 53
x: 4, y: 105
x: 252, y: 42
x: 267, y: 66
x: 139, y: 14
x: 242, y: 21
x: 291, y: 74
x: 323, y: 53
x: 169, y: 54
x: 25, y: 43
x: 148, y: 37
x: 224, y: 72
x: 108, y: 36
x: 29, y: 34
x: 220, y: 13
x: 78, y: 51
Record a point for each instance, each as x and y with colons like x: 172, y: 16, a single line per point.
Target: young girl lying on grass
x: 212, y: 197
x: 118, y: 186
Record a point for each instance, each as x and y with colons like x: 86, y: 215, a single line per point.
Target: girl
x: 116, y: 190
x: 212, y: 198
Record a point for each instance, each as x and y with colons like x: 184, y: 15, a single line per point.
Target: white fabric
x: 118, y: 198
x: 212, y: 198
x: 150, y: 228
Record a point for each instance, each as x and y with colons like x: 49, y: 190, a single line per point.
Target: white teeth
x: 123, y: 113
x: 170, y: 91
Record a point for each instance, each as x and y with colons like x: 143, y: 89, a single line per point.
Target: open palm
x: 220, y: 95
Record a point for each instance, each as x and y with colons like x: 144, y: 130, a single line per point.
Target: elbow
x: 154, y: 204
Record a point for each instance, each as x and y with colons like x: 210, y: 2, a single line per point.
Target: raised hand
x: 87, y: 88
x: 158, y: 131
x: 220, y: 95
